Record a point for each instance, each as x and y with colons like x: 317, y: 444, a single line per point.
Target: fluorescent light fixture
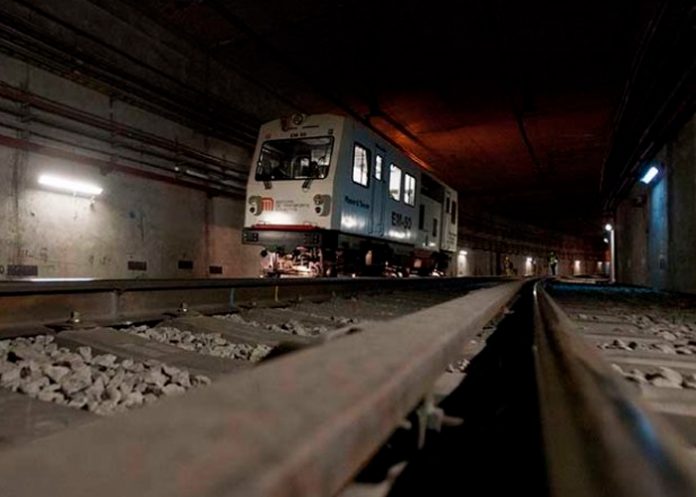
x: 649, y: 175
x: 70, y: 185
x: 196, y: 174
x: 608, y: 227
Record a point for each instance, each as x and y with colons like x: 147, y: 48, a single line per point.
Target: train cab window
x: 361, y: 165
x: 409, y: 189
x: 395, y: 182
x: 454, y: 212
x: 295, y: 159
x: 434, y: 227
x: 379, y: 161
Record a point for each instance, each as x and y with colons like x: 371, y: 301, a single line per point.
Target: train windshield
x: 296, y: 158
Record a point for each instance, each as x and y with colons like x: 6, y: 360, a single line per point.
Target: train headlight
x: 322, y: 205
x: 298, y: 119
x: 255, y: 205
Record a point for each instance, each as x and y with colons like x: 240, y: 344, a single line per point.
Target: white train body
x: 347, y: 197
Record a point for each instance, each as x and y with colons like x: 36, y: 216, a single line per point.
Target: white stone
x: 666, y: 378
x: 55, y: 373
x: 133, y: 399
x: 105, y: 360
x: 33, y: 387
x: 48, y: 396
x: 155, y: 378
x: 199, y: 379
x: 665, y: 348
x: 11, y: 375
x: 173, y: 389
x: 86, y: 353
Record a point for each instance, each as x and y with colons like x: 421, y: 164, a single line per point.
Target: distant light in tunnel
x: 463, y: 252
x: 606, y: 240
x: 608, y: 227
x: 70, y: 185
x: 649, y: 175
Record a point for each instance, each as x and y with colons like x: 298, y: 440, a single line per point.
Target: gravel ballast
x: 290, y: 327
x: 212, y: 344
x: 102, y: 384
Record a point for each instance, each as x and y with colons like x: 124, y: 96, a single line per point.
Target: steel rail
x: 300, y: 425
x: 599, y: 439
x: 31, y: 305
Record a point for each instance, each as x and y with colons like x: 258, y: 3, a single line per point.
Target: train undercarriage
x: 324, y: 253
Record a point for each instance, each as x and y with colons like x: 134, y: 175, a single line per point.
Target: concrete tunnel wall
x: 135, y: 219
x: 656, y: 223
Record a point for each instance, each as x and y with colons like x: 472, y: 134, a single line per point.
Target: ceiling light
x: 70, y: 185
x: 649, y: 175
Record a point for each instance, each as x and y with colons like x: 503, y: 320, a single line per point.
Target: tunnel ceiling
x: 511, y: 102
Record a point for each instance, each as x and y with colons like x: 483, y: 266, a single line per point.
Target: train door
x: 379, y: 194
x: 448, y: 241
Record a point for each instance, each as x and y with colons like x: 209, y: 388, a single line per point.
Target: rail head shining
x: 600, y: 440
x: 301, y: 425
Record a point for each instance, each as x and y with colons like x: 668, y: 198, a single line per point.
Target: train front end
x: 289, y: 194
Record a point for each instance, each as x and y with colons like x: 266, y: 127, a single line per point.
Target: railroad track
x: 61, y: 374
x: 394, y: 387
x: 648, y: 337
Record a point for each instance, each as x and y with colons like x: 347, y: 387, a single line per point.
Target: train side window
x: 421, y: 217
x: 395, y: 182
x: 379, y: 160
x: 409, y: 189
x: 447, y: 205
x: 454, y: 212
x: 361, y: 165
x: 434, y: 227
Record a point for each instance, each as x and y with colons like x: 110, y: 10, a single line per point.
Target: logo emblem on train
x: 258, y: 204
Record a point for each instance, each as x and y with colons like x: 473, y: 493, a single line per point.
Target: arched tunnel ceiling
x: 510, y: 102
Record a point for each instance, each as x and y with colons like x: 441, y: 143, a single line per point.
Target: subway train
x: 327, y: 196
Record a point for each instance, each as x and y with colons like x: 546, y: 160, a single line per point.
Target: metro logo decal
x: 259, y: 204
x: 267, y: 203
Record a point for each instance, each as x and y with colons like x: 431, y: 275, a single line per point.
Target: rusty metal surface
x: 33, y: 287
x: 600, y: 439
x: 25, y: 304
x: 301, y: 425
